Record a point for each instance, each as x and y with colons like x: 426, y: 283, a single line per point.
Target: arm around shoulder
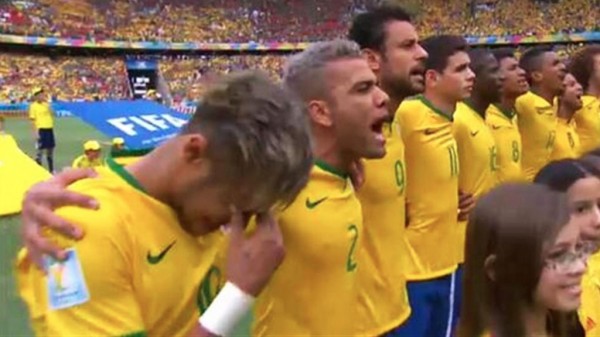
x: 91, y: 292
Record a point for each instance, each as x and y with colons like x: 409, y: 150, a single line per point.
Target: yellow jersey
x: 84, y: 162
x: 432, y: 169
x: 136, y: 272
x: 42, y: 115
x: 567, y: 143
x: 537, y: 124
x: 587, y: 120
x: 589, y: 311
x: 478, y: 158
x: 383, y: 300
x: 314, y: 291
x: 504, y: 129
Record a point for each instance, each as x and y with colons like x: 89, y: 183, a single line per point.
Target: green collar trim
x: 129, y: 153
x: 124, y: 174
x: 328, y: 168
x: 468, y: 103
x: 508, y: 113
x: 435, y: 109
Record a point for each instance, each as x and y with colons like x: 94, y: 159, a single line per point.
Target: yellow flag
x: 18, y: 172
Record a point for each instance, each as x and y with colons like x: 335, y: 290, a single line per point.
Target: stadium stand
x: 67, y: 78
x: 188, y: 76
x: 97, y: 78
x: 269, y: 20
x: 228, y: 21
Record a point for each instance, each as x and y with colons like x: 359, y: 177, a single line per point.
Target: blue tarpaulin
x: 142, y: 124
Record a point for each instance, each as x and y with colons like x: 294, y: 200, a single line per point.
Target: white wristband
x: 226, y: 311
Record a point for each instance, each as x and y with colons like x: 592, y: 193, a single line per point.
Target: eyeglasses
x: 566, y: 262
x: 590, y: 247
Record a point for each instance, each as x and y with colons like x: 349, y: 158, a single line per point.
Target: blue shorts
x: 434, y: 308
x: 45, y: 139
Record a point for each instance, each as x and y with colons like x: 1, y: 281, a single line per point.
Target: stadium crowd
x: 269, y: 20
x: 95, y: 78
x: 450, y: 191
x: 67, y: 78
x: 89, y: 78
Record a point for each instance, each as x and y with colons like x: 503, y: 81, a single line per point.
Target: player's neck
x: 396, y: 97
x: 393, y: 105
x: 444, y: 105
x: 478, y: 104
x: 544, y: 93
x: 327, y: 150
x: 565, y: 111
x: 150, y: 173
x: 508, y: 102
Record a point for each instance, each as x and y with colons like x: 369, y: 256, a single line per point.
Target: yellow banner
x: 18, y: 172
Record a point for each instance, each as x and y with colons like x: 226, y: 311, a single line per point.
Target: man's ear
x: 320, y: 113
x: 431, y: 77
x: 489, y: 267
x: 373, y: 59
x: 537, y: 76
x: 194, y: 148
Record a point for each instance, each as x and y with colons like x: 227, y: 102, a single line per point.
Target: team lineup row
x: 376, y: 151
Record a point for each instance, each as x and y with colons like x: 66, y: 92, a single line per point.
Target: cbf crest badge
x: 65, y: 281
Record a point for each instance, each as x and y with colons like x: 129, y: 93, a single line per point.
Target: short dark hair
x: 440, y: 48
x: 503, y: 53
x: 582, y: 64
x: 368, y: 29
x: 531, y: 60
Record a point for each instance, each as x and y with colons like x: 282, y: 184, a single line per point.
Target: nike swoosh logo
x: 154, y: 259
x: 311, y: 205
x: 496, y: 127
x: 474, y: 133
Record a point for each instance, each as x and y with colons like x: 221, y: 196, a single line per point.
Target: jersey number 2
x: 350, y: 262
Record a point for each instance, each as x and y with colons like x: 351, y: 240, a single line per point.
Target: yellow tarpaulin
x: 18, y: 172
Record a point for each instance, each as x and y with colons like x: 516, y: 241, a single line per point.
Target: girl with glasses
x: 524, y: 262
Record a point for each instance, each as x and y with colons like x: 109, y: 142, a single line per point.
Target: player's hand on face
x: 38, y: 212
x: 251, y: 261
x: 357, y: 174
x: 466, y: 203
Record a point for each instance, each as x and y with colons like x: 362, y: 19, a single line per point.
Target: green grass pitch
x: 70, y: 133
